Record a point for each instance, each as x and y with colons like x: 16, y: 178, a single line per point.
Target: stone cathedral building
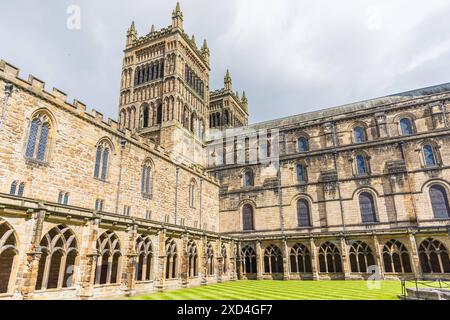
x: 92, y: 208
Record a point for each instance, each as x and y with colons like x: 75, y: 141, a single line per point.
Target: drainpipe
x: 122, y: 148
x: 9, y: 88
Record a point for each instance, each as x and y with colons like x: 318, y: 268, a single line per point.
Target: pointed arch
x: 248, y: 260
x: 40, y: 135
x: 9, y: 254
x: 59, y: 249
x: 329, y: 258
x: 104, y: 150
x: 109, y: 259
x: 396, y: 257
x: 171, y: 259
x: 192, y: 253
x: 144, y: 263
x: 361, y: 257
x: 273, y: 260
x: 434, y: 257
x: 300, y: 259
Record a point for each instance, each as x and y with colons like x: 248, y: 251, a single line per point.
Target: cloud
x: 289, y: 56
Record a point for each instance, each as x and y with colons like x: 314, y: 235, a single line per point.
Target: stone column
x: 286, y: 273
x: 415, y: 262
x: 313, y: 252
x: 239, y: 261
x: 129, y: 270
x: 31, y: 264
x: 345, y: 261
x: 220, y: 261
x: 378, y: 256
x: 259, y: 260
x: 203, y: 261
x: 184, y: 271
x: 89, y: 259
x: 233, y: 262
x: 161, y: 270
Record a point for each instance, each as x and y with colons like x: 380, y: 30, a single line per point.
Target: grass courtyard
x: 284, y: 290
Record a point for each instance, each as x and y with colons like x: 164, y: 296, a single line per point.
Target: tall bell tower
x: 164, y: 93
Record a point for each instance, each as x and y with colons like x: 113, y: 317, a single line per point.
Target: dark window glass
x: 248, y: 179
x: 97, y: 162
x: 13, y: 188
x: 428, y: 154
x: 406, y: 126
x: 301, y: 173
x: 367, y: 207
x: 302, y: 144
x: 303, y: 213
x: 439, y: 201
x: 361, y: 165
x: 42, y: 142
x: 105, y: 163
x: 247, y: 217
x: 359, y: 134
x: 31, y: 146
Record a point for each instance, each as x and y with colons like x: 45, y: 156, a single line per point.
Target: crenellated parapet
x: 36, y: 87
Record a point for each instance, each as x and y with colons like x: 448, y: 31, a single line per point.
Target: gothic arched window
x: 406, y: 127
x: 300, y: 258
x: 396, y: 257
x: 210, y: 260
x: 429, y: 156
x: 248, y: 260
x: 159, y: 114
x: 247, y: 218
x: 144, y: 261
x: 108, y: 261
x: 8, y: 256
x: 146, y: 116
x: 248, y: 178
x: 434, y: 257
x: 302, y: 144
x: 56, y: 265
x: 13, y: 188
x: 192, y: 194
x: 192, y: 259
x: 101, y: 160
x: 439, y: 201
x: 301, y: 173
x: 359, y: 134
x: 171, y: 259
x: 38, y: 138
x: 303, y: 213
x: 361, y: 167
x: 367, y: 207
x: 329, y: 258
x: 361, y: 257
x: 273, y: 260
x: 146, y: 180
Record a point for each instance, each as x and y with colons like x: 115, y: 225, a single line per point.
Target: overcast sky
x: 289, y: 56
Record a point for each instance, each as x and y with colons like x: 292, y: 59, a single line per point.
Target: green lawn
x: 284, y: 290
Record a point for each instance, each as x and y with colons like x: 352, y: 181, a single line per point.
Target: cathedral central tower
x: 164, y: 93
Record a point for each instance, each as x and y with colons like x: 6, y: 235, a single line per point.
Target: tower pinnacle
x: 177, y: 18
x: 227, y: 81
x: 131, y: 34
